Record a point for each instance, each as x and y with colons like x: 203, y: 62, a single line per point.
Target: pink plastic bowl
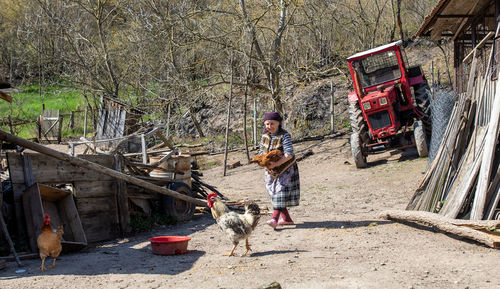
x: 169, y: 245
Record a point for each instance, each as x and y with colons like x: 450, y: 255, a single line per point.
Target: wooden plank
x: 98, y: 168
x: 73, y: 226
x: 32, y: 207
x: 5, y: 97
x: 478, y: 46
x: 96, y: 189
x: 100, y: 227
x: 453, y: 205
x: 164, y: 139
x: 122, y: 198
x: 487, y: 160
x: 48, y: 170
x: 95, y: 206
x: 494, y: 192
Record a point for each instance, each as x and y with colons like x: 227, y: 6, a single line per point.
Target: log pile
x: 463, y: 180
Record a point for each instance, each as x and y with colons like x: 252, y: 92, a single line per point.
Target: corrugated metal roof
x: 450, y: 17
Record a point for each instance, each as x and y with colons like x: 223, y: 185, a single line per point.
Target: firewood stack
x: 463, y: 180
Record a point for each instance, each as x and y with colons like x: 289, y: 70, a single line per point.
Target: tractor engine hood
x: 379, y: 99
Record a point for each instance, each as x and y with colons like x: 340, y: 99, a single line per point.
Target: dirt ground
x: 337, y: 242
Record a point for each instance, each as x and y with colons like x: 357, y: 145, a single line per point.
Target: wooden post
x: 332, y: 109
x: 121, y: 198
x: 3, y: 226
x: 255, y: 121
x: 196, y: 124
x: 9, y: 240
x: 72, y: 121
x: 228, y: 115
x: 10, y: 124
x: 144, y: 150
x: 168, y: 120
x: 98, y: 168
x: 85, y: 124
x: 59, y: 129
x: 432, y: 78
x: 245, y: 111
x: 39, y: 127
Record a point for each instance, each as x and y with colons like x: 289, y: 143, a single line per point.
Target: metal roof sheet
x: 376, y: 49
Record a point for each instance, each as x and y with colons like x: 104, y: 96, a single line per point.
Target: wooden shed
x: 467, y: 23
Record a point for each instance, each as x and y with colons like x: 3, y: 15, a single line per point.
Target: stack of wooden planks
x: 463, y: 180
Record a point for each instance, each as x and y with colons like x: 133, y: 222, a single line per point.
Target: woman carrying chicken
x: 282, y: 176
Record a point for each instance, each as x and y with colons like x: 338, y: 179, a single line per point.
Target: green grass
x: 27, y: 105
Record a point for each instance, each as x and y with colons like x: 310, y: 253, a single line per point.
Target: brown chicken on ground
x: 49, y: 242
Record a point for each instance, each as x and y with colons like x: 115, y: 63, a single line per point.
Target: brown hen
x: 49, y: 242
x: 265, y: 159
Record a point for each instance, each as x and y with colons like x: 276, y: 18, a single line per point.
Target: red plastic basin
x: 169, y: 245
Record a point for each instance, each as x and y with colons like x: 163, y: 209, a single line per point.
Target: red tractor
x: 388, y: 99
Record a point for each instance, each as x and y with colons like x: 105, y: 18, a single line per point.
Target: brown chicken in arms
x: 49, y: 242
x: 236, y: 226
x: 265, y: 159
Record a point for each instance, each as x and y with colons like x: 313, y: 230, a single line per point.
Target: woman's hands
x: 281, y: 161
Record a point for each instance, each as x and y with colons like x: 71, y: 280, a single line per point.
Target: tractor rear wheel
x: 420, y: 139
x: 357, y: 151
x: 358, y: 124
x: 423, y: 101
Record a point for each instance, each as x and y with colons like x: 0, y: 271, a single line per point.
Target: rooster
x: 237, y: 226
x: 264, y: 160
x: 49, y: 242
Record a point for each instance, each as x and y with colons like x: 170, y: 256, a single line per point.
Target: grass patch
x: 27, y: 104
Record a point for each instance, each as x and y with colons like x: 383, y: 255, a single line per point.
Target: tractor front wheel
x: 420, y: 139
x: 358, y: 124
x: 357, y: 151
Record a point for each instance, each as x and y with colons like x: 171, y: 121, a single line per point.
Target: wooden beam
x: 95, y: 167
x: 164, y: 140
x: 6, y: 97
x: 478, y: 46
x: 470, y: 231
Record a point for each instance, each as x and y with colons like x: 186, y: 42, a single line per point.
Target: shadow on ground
x: 337, y: 224
x: 129, y: 255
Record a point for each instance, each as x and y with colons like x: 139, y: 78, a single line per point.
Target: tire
x: 358, y: 124
x: 420, y: 139
x: 357, y: 152
x: 423, y: 102
x: 174, y: 207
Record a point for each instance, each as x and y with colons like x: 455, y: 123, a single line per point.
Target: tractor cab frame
x: 388, y: 98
